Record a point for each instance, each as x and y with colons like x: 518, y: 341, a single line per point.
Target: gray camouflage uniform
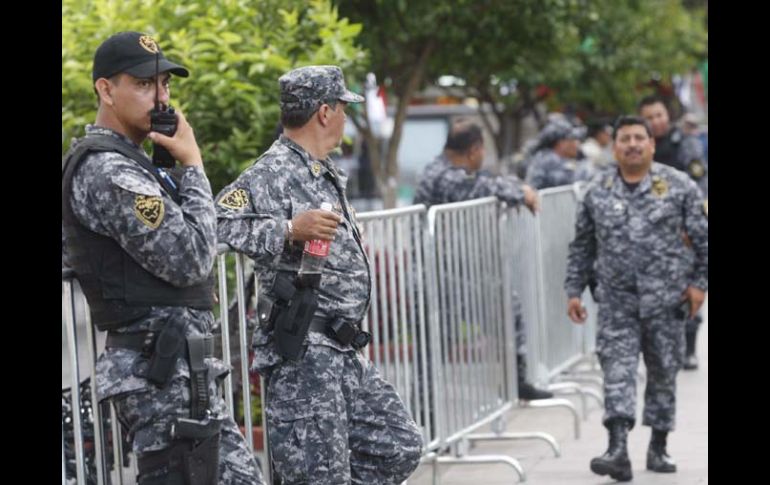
x: 548, y: 169
x: 642, y: 268
x: 454, y: 184
x: 333, y: 400
x: 424, y: 193
x: 181, y: 251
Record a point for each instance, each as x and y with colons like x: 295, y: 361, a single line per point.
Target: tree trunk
x: 373, y: 150
x: 507, y: 125
x: 518, y: 117
x: 389, y: 183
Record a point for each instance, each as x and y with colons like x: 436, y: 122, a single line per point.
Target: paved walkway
x: 688, y: 445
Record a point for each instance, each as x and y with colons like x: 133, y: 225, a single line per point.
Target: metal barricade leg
x: 555, y: 402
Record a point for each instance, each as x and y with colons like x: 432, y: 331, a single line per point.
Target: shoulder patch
x: 136, y: 183
x: 235, y: 199
x: 150, y: 210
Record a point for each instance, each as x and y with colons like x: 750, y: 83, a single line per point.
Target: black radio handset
x: 163, y: 120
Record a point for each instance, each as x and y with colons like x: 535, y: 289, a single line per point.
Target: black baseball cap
x: 133, y: 53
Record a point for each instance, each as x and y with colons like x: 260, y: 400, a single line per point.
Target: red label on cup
x: 317, y: 247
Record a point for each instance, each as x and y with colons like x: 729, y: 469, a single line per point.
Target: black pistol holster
x: 291, y: 314
x: 682, y: 310
x: 169, y: 345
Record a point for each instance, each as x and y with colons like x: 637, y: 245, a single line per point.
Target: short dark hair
x: 297, y: 118
x: 650, y: 100
x: 628, y: 120
x: 114, y: 79
x: 463, y: 135
x: 596, y: 126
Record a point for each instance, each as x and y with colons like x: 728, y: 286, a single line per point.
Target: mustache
x: 632, y: 151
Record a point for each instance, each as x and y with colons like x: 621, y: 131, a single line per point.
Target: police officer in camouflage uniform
x: 684, y: 152
x: 630, y: 224
x: 424, y: 193
x: 555, y: 163
x: 459, y: 179
x: 142, y: 245
x: 459, y: 166
x: 426, y: 188
x: 331, y: 418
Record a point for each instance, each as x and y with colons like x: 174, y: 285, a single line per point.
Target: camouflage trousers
x: 521, y: 330
x: 521, y: 339
x: 333, y: 420
x: 622, y: 335
x: 149, y: 413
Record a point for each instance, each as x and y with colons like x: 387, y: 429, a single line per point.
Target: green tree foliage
x: 591, y: 54
x: 480, y: 41
x: 518, y: 47
x: 235, y: 51
x: 625, y: 44
x: 401, y: 37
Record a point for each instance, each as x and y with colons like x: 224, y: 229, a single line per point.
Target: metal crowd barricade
x: 539, y: 253
x: 397, y: 319
x: 72, y: 301
x: 556, y: 228
x: 477, y: 341
x: 244, y: 303
x: 572, y: 345
x: 588, y: 370
x: 472, y: 320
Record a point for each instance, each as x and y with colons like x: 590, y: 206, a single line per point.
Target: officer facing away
x: 142, y: 245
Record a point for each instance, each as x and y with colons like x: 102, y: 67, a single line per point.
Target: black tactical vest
x: 118, y: 289
x: 667, y: 149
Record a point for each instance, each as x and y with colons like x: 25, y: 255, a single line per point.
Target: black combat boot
x: 614, y: 462
x: 527, y: 391
x: 690, y: 360
x: 657, y: 458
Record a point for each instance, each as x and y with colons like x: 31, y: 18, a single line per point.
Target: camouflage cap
x: 311, y: 86
x: 559, y: 130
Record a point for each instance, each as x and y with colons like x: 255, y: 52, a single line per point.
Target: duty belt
x: 143, y: 342
x: 343, y: 331
x: 161, y: 365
